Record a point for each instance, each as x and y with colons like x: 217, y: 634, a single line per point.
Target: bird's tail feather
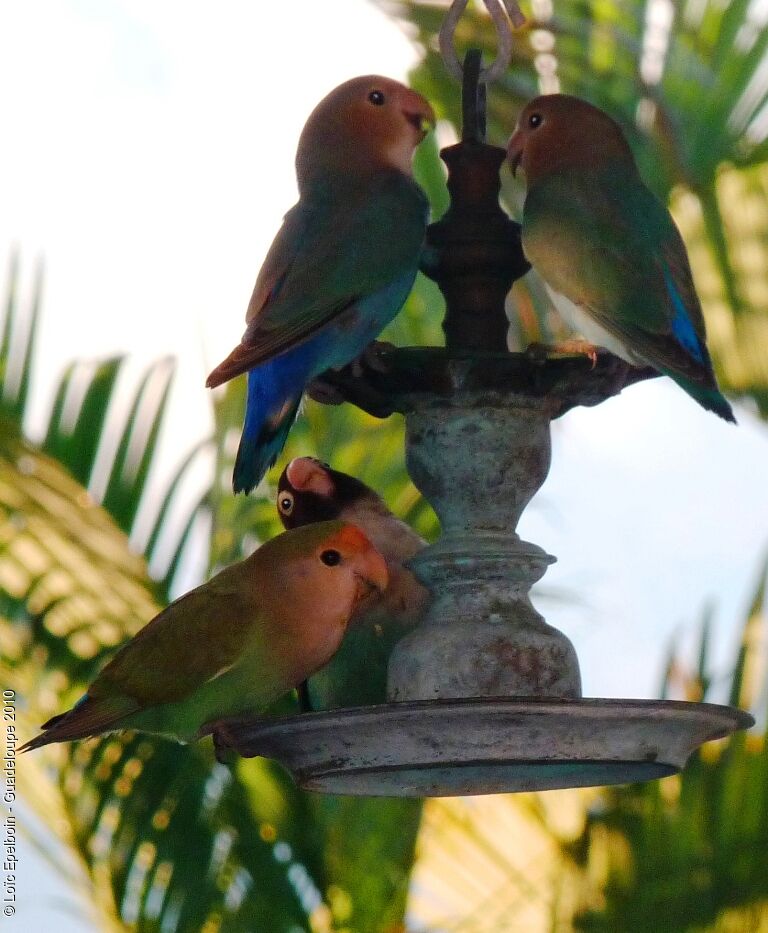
x: 708, y: 396
x: 87, y: 717
x: 270, y: 414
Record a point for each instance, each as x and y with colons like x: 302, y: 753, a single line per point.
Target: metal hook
x: 473, y: 98
x: 504, y: 18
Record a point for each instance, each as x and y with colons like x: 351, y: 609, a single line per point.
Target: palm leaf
x: 687, y: 852
x: 78, y: 416
x: 18, y: 341
x: 128, y: 477
x: 162, y: 828
x: 261, y: 856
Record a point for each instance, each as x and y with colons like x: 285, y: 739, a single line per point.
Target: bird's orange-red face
x: 557, y: 131
x: 349, y: 552
x: 369, y: 120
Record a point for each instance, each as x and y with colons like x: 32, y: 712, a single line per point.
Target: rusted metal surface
x: 405, y: 377
x: 493, y: 745
x: 479, y: 465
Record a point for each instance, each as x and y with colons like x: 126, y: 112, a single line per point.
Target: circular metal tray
x: 485, y: 745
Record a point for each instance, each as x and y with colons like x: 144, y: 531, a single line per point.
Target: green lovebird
x: 342, y: 264
x: 309, y: 491
x: 609, y: 252
x: 235, y: 644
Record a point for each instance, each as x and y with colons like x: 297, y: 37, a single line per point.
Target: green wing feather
x: 189, y: 643
x: 606, y: 243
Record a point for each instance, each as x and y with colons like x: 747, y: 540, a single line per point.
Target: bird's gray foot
x: 321, y: 391
x: 372, y: 359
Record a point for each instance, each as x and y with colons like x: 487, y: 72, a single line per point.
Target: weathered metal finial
x: 474, y: 252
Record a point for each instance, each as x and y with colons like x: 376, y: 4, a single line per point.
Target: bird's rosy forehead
x: 306, y: 474
x: 349, y: 538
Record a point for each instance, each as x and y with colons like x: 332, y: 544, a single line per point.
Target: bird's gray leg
x: 372, y: 358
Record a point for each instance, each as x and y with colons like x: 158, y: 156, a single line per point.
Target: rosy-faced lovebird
x: 341, y: 265
x: 607, y: 249
x: 310, y: 491
x: 235, y: 644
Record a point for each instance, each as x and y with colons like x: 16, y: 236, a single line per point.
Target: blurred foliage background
x: 173, y: 841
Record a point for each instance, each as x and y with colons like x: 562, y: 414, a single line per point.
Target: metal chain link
x: 505, y: 18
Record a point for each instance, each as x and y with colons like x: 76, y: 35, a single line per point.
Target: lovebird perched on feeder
x: 310, y: 491
x: 342, y: 264
x: 608, y: 250
x: 235, y: 644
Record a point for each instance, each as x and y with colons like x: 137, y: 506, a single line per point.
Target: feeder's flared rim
x: 485, y: 745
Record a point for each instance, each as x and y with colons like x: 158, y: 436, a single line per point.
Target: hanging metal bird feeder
x: 485, y: 696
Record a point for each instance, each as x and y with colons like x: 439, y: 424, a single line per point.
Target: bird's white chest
x: 583, y: 323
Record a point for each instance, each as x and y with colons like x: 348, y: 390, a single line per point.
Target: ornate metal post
x: 478, y: 457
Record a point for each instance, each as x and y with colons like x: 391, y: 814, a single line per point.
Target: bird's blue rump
x: 275, y: 387
x: 271, y: 408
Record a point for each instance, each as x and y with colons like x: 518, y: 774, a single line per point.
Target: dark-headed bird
x: 310, y: 491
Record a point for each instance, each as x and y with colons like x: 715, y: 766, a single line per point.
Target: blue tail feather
x: 714, y: 400
x: 258, y: 452
x: 271, y: 408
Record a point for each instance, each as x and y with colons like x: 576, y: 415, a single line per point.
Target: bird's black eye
x: 377, y: 98
x: 330, y: 557
x: 535, y: 120
x: 285, y: 503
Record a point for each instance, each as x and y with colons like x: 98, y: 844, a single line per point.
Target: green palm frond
x: 18, y: 341
x: 688, y: 852
x: 164, y: 829
x: 171, y: 838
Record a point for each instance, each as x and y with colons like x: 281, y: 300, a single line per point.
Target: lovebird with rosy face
x: 235, y: 644
x: 608, y: 250
x: 310, y: 491
x: 342, y: 264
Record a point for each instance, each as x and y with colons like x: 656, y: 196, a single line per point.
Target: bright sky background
x: 148, y: 156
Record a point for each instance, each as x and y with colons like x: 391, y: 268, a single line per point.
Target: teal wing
x: 610, y: 246
x: 336, y: 246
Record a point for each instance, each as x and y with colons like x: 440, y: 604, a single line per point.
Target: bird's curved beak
x: 418, y: 112
x: 515, y: 150
x: 372, y: 574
